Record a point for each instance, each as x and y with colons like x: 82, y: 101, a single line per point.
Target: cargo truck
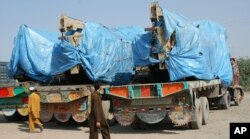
x: 148, y: 74
x: 63, y: 101
x: 155, y: 94
x: 65, y: 95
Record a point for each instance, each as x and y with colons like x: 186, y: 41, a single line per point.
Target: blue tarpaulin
x: 111, y: 54
x: 200, y: 51
x: 105, y: 54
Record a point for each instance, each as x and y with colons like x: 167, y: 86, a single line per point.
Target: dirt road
x: 217, y: 128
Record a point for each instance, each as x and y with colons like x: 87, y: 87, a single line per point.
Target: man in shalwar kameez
x: 34, y: 110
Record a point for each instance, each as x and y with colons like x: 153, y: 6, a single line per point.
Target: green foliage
x: 244, y: 69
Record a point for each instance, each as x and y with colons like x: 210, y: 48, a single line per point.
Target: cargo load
x: 103, y: 53
x: 199, y: 50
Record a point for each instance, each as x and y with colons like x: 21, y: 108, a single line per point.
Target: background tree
x: 244, y: 69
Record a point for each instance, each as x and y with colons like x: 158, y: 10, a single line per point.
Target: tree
x: 244, y: 69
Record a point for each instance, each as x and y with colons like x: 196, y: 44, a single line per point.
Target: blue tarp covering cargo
x: 111, y: 54
x: 103, y: 53
x: 200, y: 50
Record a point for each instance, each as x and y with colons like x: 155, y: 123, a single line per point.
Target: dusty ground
x: 217, y: 128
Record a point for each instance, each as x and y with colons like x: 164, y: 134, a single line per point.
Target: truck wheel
x: 143, y: 126
x: 205, y: 110
x: 135, y: 125
x: 139, y: 125
x: 12, y: 115
x: 111, y: 122
x: 225, y: 101
x: 197, y: 123
x: 16, y: 117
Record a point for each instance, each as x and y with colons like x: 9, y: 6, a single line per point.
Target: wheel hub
x: 151, y: 117
x: 180, y: 118
x: 125, y: 118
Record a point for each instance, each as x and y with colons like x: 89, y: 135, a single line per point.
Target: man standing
x: 97, y: 118
x: 34, y: 110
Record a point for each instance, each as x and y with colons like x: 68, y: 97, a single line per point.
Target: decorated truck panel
x: 151, y: 103
x: 64, y: 102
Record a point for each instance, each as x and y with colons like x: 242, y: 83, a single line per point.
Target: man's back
x: 34, y: 104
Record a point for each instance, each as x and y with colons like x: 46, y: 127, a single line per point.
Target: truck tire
x: 197, y: 123
x: 135, y: 126
x: 139, y: 125
x: 111, y: 122
x: 225, y: 101
x: 16, y: 117
x: 205, y: 110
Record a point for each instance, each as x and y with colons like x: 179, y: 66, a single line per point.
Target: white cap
x: 32, y: 88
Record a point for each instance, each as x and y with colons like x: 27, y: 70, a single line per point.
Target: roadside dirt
x: 217, y: 128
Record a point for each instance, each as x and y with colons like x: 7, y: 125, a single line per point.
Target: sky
x: 44, y: 15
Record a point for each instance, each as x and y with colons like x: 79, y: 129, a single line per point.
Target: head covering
x: 32, y: 88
